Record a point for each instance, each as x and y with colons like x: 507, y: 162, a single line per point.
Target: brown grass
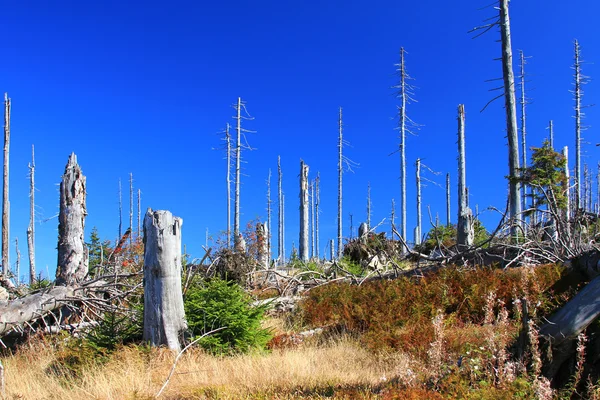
x: 132, y: 373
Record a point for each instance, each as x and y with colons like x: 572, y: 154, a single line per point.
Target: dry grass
x: 135, y: 374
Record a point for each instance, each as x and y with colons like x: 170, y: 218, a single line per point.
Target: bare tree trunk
x: 283, y: 228
x: 17, y: 263
x: 565, y: 154
x: 228, y: 180
x: 268, y: 218
x: 464, y: 230
x: 393, y: 219
x: 5, y: 201
x: 523, y: 130
x: 120, y: 212
x: 139, y: 213
x: 317, y: 201
x: 303, y: 241
x: 551, y: 129
x: 312, y: 219
x: 402, y: 121
x: 369, y: 205
x: 280, y: 221
x: 511, y: 118
x: 72, y: 263
x: 578, y: 94
x: 164, y: 315
x: 448, y: 218
x: 31, y: 227
x: 418, y: 230
x: 331, y: 250
x: 340, y: 171
x: 585, y: 188
x: 130, y: 209
x: 238, y: 149
x: 262, y: 235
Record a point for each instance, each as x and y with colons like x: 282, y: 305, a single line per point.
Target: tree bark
x: 268, y: 228
x: 280, y: 254
x: 448, y: 218
x: 340, y: 171
x: 31, y: 227
x: 464, y: 229
x: 369, y: 205
x: 303, y: 240
x: 72, y: 263
x: 164, y: 315
x: 523, y: 102
x: 511, y: 117
x: 17, y: 312
x: 130, y: 209
x: 402, y: 121
x: 228, y: 182
x: 317, y: 202
x: 238, y: 149
x: 578, y: 93
x: 5, y: 201
x: 565, y: 153
x: 419, y: 229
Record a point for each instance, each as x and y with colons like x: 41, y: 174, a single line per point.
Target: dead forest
x: 527, y: 289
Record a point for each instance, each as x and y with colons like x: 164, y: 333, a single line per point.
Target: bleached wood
x: 448, y: 217
x: 131, y: 208
x: 228, y: 182
x: 317, y: 203
x: 164, y: 315
x: 268, y: 218
x: 280, y: 252
x: 577, y: 68
x: 303, y: 239
x: 565, y: 153
x: 5, y: 200
x: 419, y: 228
x: 31, y: 227
x: 464, y: 229
x: 403, y: 96
x: 238, y: 155
x: 72, y: 263
x: 511, y: 117
x: 340, y: 171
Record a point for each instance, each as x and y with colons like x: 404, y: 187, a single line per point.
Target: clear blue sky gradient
x: 145, y: 87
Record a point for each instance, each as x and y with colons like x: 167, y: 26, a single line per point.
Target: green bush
x: 225, y: 304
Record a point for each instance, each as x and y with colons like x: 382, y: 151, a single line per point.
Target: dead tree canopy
x: 72, y: 256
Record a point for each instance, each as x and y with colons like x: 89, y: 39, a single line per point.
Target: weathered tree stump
x: 72, y: 256
x: 164, y: 315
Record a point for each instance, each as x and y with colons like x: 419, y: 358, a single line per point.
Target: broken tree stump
x: 164, y: 315
x: 72, y: 264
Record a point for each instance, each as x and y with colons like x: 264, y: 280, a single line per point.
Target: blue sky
x: 145, y: 87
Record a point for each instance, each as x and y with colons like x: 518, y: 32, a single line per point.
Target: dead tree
x: 228, y: 182
x: 268, y: 217
x: 303, y: 240
x: 72, y: 263
x: 31, y: 227
x: 523, y: 103
x: 164, y: 315
x: 448, y: 218
x: 238, y: 159
x: 283, y: 227
x: 369, y: 205
x: 578, y: 114
x: 131, y: 208
x: 419, y: 228
x: 139, y: 213
x: 120, y: 210
x: 317, y: 201
x: 280, y: 251
x: 404, y: 92
x: 5, y: 201
x: 551, y: 133
x: 511, y: 117
x: 17, y: 262
x: 464, y: 230
x: 312, y: 219
x: 393, y: 219
x: 262, y: 238
x: 565, y: 154
x: 340, y: 171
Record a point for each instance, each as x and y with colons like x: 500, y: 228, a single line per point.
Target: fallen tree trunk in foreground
x: 18, y: 312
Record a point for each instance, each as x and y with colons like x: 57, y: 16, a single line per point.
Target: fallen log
x: 17, y: 313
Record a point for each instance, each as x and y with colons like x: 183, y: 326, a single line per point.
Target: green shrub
x: 225, y: 304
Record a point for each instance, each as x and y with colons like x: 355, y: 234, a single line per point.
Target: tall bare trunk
x: 448, y: 218
x: 238, y: 149
x: 317, y: 201
x: 578, y: 94
x: 393, y: 219
x: 402, y: 121
x: 283, y: 228
x: 120, y: 212
x: 369, y: 205
x: 268, y: 238
x: 331, y: 250
x: 523, y: 102
x: 551, y: 129
x: 164, y: 315
x: 565, y: 153
x: 131, y: 208
x: 17, y: 263
x: 5, y: 201
x: 228, y: 180
x: 419, y: 229
x: 303, y: 241
x: 72, y: 263
x: 340, y: 171
x: 31, y: 227
x: 312, y: 219
x: 511, y: 117
x: 139, y: 213
x: 280, y: 253
x: 464, y: 228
